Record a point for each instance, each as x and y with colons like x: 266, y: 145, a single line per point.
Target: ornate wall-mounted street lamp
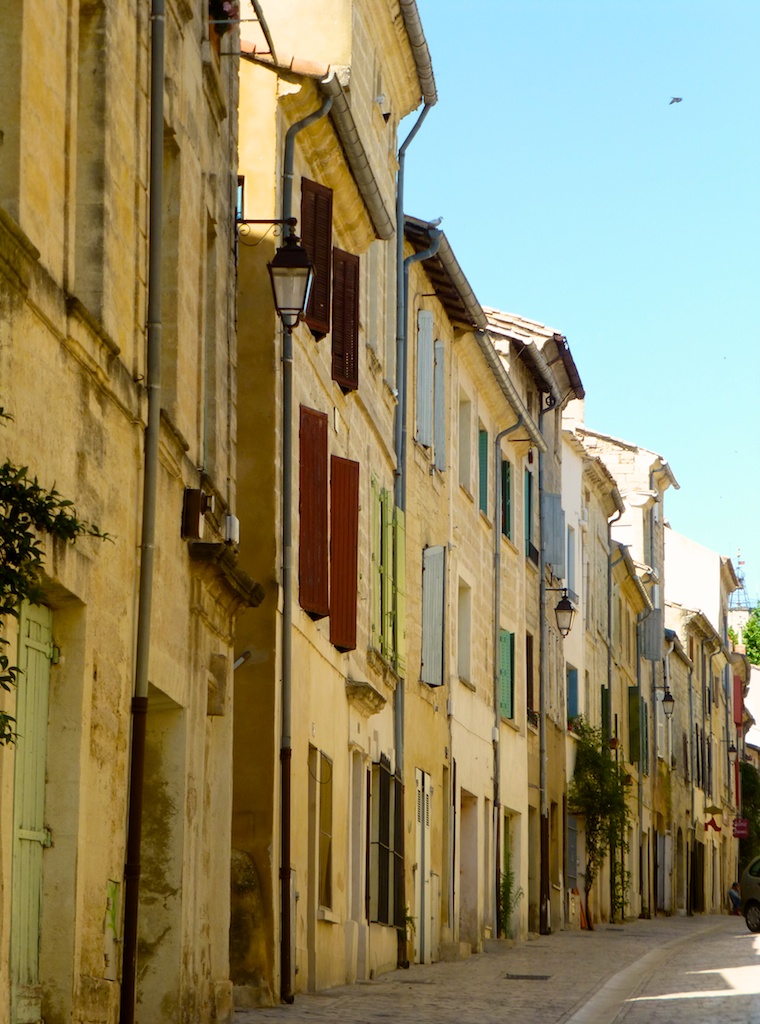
x: 291, y: 273
x: 668, y: 704
x: 565, y: 610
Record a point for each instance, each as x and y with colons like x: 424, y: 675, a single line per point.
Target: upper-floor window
x: 465, y: 455
x: 506, y: 498
x: 483, y: 469
x: 431, y: 408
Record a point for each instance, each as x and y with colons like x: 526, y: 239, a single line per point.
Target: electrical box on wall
x: 196, y: 504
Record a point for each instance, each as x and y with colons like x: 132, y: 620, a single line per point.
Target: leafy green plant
x: 27, y: 511
x: 751, y: 636
x: 750, y: 784
x: 597, y: 793
x: 509, y: 894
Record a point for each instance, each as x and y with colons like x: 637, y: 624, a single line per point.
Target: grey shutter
x: 439, y: 408
x: 652, y: 635
x: 425, y: 378
x: 433, y: 592
x: 553, y: 532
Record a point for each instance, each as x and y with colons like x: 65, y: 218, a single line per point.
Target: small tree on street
x: 751, y: 636
x: 750, y: 783
x: 597, y: 793
x: 27, y: 511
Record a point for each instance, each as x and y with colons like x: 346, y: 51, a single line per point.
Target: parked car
x: 750, y: 890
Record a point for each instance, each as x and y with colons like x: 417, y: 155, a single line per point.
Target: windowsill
x: 328, y: 915
x: 486, y: 518
x: 467, y: 683
x: 466, y: 492
x: 511, y: 723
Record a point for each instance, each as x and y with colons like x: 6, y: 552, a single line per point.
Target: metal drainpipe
x: 399, y: 488
x: 693, y: 827
x: 544, y: 926
x: 147, y: 545
x: 286, y: 750
x: 640, y: 795
x: 496, y: 673
x: 610, y: 716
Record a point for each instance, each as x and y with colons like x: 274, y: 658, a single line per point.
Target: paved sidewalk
x: 579, y: 977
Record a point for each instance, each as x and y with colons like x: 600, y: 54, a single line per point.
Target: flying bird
x: 676, y: 99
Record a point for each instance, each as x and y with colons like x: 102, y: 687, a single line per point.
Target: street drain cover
x: 527, y: 977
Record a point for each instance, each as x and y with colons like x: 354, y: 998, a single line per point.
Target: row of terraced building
x: 290, y: 724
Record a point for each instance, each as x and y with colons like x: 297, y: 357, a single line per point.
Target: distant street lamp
x: 565, y: 613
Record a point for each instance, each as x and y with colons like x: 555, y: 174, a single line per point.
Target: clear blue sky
x: 574, y: 193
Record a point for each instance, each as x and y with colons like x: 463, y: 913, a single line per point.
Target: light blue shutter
x: 433, y: 592
x: 553, y: 532
x: 483, y: 470
x: 506, y: 673
x: 653, y: 634
x: 439, y: 408
x: 425, y: 378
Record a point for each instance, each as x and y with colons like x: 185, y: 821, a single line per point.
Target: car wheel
x: 752, y: 916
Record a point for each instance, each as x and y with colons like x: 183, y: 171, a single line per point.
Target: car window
x: 754, y: 868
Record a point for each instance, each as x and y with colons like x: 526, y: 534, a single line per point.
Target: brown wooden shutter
x: 313, y: 581
x: 316, y: 235
x: 344, y: 540
x: 345, y: 315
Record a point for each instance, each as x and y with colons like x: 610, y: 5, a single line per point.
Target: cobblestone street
x: 664, y: 970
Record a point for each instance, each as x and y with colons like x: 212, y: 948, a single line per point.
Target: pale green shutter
x: 376, y: 626
x: 399, y: 584
x: 387, y: 571
x: 30, y: 834
x: 506, y: 674
x: 483, y: 470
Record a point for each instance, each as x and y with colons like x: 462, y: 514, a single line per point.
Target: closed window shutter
x: 605, y: 713
x: 376, y: 612
x: 433, y: 593
x: 634, y: 725
x: 506, y: 498
x: 313, y: 549
x: 506, y: 674
x: 425, y: 378
x: 388, y: 646
x: 483, y: 470
x: 344, y: 539
x: 316, y: 236
x: 399, y: 587
x: 572, y: 693
x: 345, y: 320
x: 528, y: 500
x: 439, y: 407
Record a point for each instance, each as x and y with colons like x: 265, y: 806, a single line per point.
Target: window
x: 433, y: 611
x: 573, y: 706
x: 313, y: 579
x: 345, y: 320
x: 325, y: 830
x: 634, y: 725
x: 530, y: 697
x: 316, y: 236
x: 506, y: 498
x: 570, y: 578
x: 483, y: 470
x: 506, y: 674
x: 344, y: 540
x: 464, y: 625
x: 388, y: 578
x: 530, y: 550
x: 431, y: 394
x: 465, y: 411
x: 386, y: 869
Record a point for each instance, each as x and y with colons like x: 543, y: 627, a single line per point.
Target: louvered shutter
x: 313, y: 548
x: 553, y: 532
x: 376, y: 611
x: 605, y: 713
x: 506, y: 498
x: 344, y: 539
x: 634, y: 724
x: 399, y: 588
x: 316, y: 236
x: 387, y: 647
x: 433, y: 593
x: 652, y: 635
x: 506, y: 674
x: 439, y: 407
x: 345, y: 320
x: 425, y: 378
x: 483, y: 471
